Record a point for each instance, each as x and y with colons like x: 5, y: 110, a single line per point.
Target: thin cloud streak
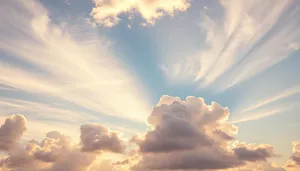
x: 64, y: 119
x: 282, y: 95
x: 256, y: 115
x: 85, y: 73
x: 45, y: 111
x: 247, y: 41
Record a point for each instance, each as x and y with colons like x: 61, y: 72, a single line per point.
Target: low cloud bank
x: 184, y: 135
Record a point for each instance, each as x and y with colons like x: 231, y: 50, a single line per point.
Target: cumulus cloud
x: 57, y: 152
x: 11, y: 131
x: 73, y: 161
x: 261, y: 166
x: 294, y: 161
x: 22, y: 158
x: 95, y: 137
x: 253, y: 152
x: 106, y: 12
x: 199, y: 159
x: 53, y: 134
x: 193, y: 135
x: 184, y: 135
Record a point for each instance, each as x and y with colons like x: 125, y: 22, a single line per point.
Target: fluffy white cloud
x: 106, y: 12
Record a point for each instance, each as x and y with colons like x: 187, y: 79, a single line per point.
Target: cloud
x: 95, y: 137
x: 279, y: 96
x: 11, y: 131
x: 59, y: 61
x: 241, y: 41
x: 190, y: 134
x: 294, y: 161
x: 56, y: 152
x: 73, y: 161
x: 261, y: 166
x: 261, y: 109
x: 255, y: 115
x: 254, y: 152
x: 54, y: 114
x: 184, y: 135
x: 173, y: 129
x: 107, y: 12
x: 40, y: 109
x: 54, y: 135
x: 196, y: 159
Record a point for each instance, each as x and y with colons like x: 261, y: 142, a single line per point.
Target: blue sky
x: 62, y: 65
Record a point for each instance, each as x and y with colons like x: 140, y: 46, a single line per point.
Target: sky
x: 148, y: 85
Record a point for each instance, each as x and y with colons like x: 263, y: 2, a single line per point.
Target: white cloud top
x: 107, y: 12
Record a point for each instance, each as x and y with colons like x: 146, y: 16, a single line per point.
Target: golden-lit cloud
x: 191, y: 135
x: 81, y: 79
x: 184, y: 135
x: 294, y: 162
x: 95, y: 137
x: 85, y: 73
x: 11, y: 131
x: 107, y: 12
x: 56, y: 152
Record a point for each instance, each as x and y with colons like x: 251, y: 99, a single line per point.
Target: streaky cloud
x: 86, y: 72
x: 277, y: 97
x: 240, y: 44
x: 260, y: 114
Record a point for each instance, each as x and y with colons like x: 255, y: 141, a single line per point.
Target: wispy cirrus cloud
x: 243, y: 42
x: 251, y: 116
x: 268, y: 106
x: 54, y: 64
x: 43, y: 115
x: 42, y: 110
x: 285, y: 94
